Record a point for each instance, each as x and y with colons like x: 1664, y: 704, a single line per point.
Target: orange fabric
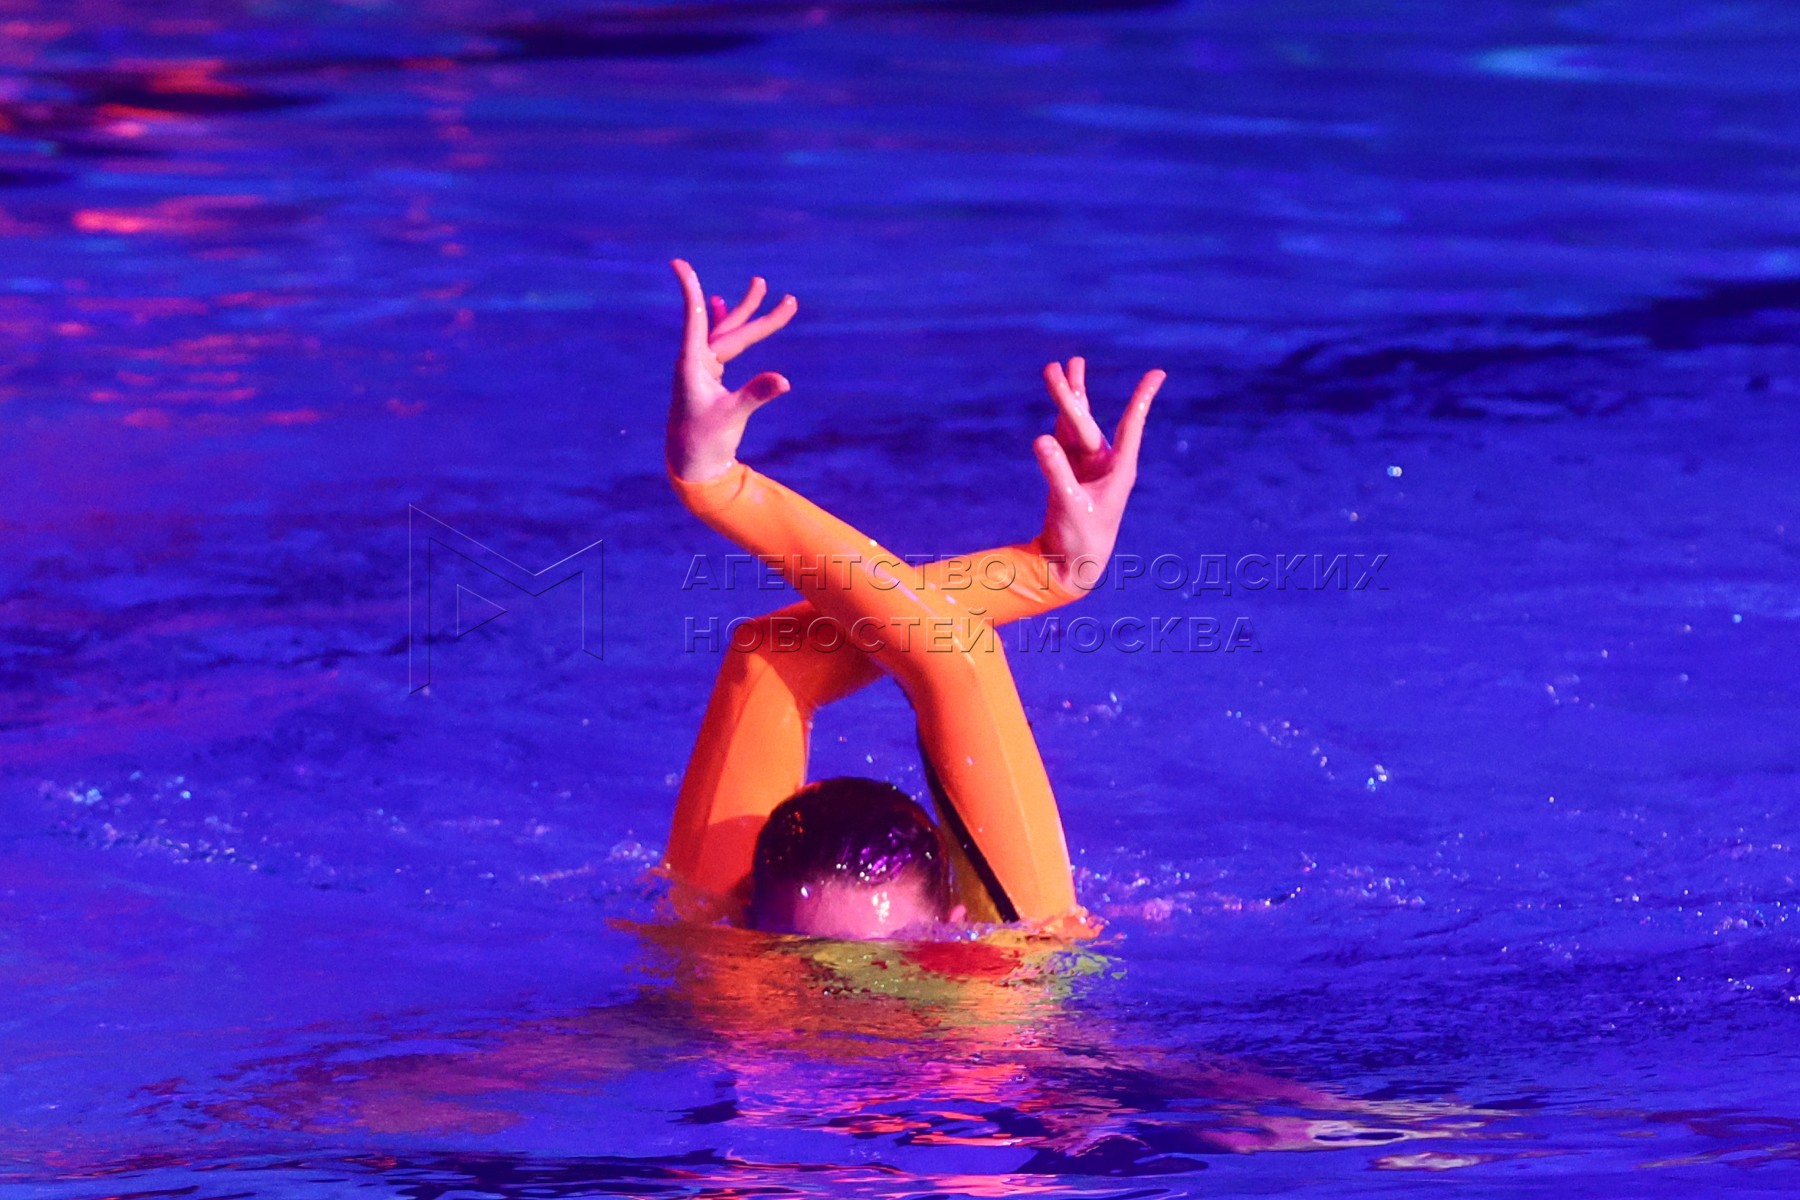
x: 866, y: 611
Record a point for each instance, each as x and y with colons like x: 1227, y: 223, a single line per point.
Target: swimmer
x: 857, y: 858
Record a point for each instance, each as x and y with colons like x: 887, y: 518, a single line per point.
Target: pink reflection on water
x: 176, y: 216
x: 98, y: 721
x: 187, y: 378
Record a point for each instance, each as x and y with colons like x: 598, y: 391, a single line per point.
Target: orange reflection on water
x: 961, y: 1044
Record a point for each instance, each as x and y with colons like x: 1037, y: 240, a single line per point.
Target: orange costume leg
x: 934, y: 637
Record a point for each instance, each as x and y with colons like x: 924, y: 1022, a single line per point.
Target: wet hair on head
x: 845, y: 830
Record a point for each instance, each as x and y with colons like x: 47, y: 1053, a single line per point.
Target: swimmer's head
x: 848, y: 858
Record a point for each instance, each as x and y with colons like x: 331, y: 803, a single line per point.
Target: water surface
x: 1483, y: 871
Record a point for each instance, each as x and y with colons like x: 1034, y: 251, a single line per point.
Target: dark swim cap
x: 845, y: 830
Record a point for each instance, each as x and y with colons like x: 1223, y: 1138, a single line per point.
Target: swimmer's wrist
x: 1059, y: 574
x: 696, y: 458
x: 1064, y: 583
x: 694, y: 474
x: 711, y: 493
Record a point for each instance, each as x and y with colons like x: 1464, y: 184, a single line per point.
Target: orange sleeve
x: 750, y: 755
x: 1002, y: 585
x: 754, y: 742
x: 943, y: 653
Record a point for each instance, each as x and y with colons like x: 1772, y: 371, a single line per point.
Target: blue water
x: 1481, y: 875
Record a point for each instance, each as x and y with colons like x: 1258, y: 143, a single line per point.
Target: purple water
x: 1481, y: 874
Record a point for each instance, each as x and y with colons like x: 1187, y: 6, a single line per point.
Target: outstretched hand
x: 707, y: 419
x: 1090, y: 477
